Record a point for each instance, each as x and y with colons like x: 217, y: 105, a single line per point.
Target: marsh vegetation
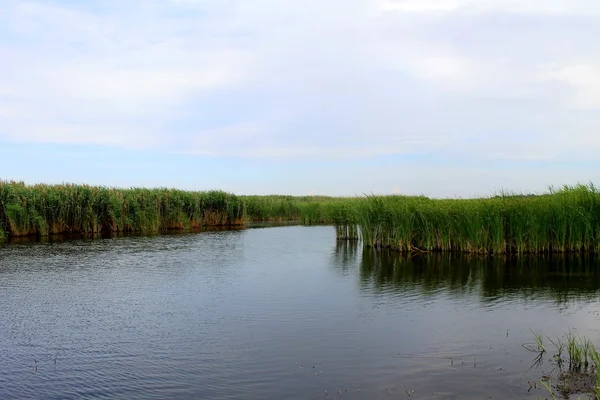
x: 565, y: 220
x: 561, y: 221
x: 577, y: 365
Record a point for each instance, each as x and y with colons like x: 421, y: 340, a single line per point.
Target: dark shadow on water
x: 109, y: 235
x: 557, y: 278
x: 271, y: 224
x: 346, y: 256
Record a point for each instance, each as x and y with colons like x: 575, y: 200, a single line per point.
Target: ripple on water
x: 274, y: 313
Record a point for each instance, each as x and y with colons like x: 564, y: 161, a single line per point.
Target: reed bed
x: 342, y: 214
x: 560, y: 221
x: 56, y: 209
x: 307, y: 210
x: 566, y: 220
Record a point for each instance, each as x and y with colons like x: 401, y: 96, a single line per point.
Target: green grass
x: 580, y: 351
x: 52, y: 209
x: 595, y: 357
x: 560, y: 347
x: 539, y: 340
x: 341, y: 213
x: 302, y: 209
x: 560, y: 221
x: 583, y: 374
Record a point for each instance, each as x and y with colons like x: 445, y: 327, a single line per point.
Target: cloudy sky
x: 340, y: 97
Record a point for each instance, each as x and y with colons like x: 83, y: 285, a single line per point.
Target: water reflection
x: 76, y: 236
x: 557, y: 278
x: 346, y: 256
x: 277, y: 313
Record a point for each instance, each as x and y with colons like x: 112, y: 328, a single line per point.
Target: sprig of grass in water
x: 587, y: 351
x: 581, y: 354
x: 548, y: 386
x: 596, y: 360
x: 539, y: 340
x: 575, y: 352
x: 560, y: 347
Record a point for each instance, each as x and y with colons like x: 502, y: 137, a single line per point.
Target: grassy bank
x: 303, y: 209
x: 561, y: 221
x: 55, y: 209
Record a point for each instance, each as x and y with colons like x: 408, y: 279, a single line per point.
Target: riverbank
x: 60, y: 209
x: 566, y: 220
x: 43, y: 210
x: 560, y: 221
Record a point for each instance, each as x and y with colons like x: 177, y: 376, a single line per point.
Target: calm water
x: 277, y: 313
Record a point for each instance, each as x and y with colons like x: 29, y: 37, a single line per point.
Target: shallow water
x: 278, y: 313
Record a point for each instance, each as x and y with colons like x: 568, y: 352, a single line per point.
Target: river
x: 279, y: 313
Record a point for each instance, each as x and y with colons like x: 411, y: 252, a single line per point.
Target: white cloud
x: 423, y: 6
x: 558, y: 7
x: 117, y: 135
x: 146, y: 83
x: 7, y: 112
x: 263, y: 140
x: 583, y: 80
x: 344, y: 78
x: 115, y: 65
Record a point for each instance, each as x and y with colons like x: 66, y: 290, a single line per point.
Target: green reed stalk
x: 305, y: 209
x: 595, y: 358
x: 51, y: 209
x: 583, y: 359
x: 565, y: 220
x: 575, y: 352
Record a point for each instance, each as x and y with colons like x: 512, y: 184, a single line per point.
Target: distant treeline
x: 563, y: 220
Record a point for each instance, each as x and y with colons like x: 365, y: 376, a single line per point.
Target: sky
x: 444, y: 98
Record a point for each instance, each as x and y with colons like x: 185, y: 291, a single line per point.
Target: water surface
x: 278, y: 313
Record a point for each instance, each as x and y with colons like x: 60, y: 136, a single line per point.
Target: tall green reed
x: 50, y: 209
x: 563, y: 220
x: 560, y: 221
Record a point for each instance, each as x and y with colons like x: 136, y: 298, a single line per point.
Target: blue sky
x: 340, y: 97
